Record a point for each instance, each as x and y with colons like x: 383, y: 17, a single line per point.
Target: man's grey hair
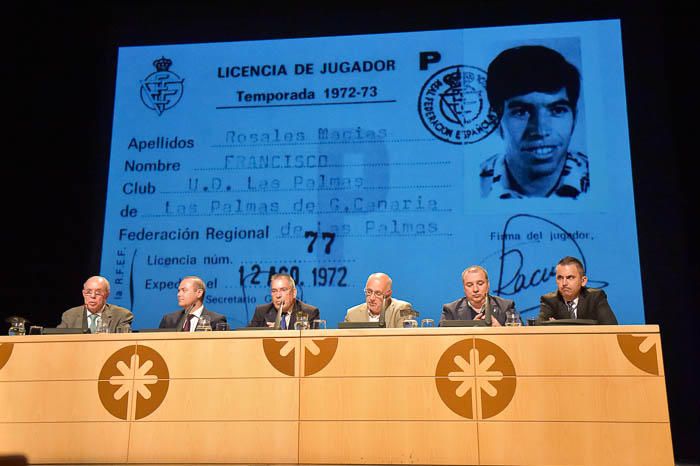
x: 474, y: 268
x: 286, y: 276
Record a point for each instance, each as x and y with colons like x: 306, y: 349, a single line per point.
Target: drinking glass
x: 36, y: 330
x: 302, y: 322
x: 123, y: 328
x: 203, y: 324
x: 410, y: 323
x: 222, y: 327
x: 103, y: 327
x: 427, y: 323
x: 318, y: 324
x: 512, y: 319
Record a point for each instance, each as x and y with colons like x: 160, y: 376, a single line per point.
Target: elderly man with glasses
x: 96, y: 310
x: 379, y: 306
x: 282, y: 312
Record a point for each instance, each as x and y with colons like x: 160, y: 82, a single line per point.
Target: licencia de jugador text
x: 299, y: 69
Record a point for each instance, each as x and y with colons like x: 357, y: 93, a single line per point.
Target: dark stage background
x: 58, y: 69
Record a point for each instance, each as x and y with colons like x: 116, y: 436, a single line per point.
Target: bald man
x: 379, y: 305
x: 96, y: 309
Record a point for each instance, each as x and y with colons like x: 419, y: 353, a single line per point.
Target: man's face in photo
x: 537, y: 129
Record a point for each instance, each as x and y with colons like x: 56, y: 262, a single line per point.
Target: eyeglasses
x: 377, y: 294
x: 96, y: 293
x: 279, y: 290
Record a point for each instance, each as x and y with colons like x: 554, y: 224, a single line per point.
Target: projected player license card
x: 331, y: 158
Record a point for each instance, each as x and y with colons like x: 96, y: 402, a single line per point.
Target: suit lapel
x: 293, y: 317
x: 84, y: 322
x: 181, y: 321
x: 463, y: 311
x: 581, y: 308
x: 107, y: 316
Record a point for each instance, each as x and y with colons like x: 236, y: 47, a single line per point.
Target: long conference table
x: 554, y: 395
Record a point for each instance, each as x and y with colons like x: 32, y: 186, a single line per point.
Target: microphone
x: 489, y: 312
x: 382, y: 313
x: 278, y: 318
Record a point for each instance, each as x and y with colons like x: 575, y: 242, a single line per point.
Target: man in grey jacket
x: 96, y: 309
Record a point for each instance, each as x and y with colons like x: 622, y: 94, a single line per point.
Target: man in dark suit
x: 284, y: 309
x: 573, y: 300
x: 190, y: 296
x: 477, y: 303
x: 96, y: 310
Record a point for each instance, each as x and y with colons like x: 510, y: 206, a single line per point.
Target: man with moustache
x: 190, y: 297
x: 282, y: 312
x: 573, y: 300
x: 379, y: 305
x: 477, y: 303
x: 96, y: 309
x: 534, y: 91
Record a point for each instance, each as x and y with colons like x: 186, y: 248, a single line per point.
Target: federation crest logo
x: 133, y: 382
x: 5, y: 353
x: 640, y: 351
x: 162, y: 89
x: 318, y: 352
x: 475, y: 378
x: 453, y: 105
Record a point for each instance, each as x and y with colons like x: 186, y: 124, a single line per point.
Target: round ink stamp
x: 454, y: 107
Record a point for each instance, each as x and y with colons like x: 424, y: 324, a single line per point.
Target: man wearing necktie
x: 284, y: 306
x: 573, y: 300
x: 190, y: 297
x: 96, y: 309
x: 478, y: 303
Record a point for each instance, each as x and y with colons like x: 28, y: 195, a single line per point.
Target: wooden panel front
x: 240, y: 354
x: 59, y: 357
x: 66, y: 442
x: 52, y: 401
x: 373, y: 398
x: 528, y: 395
x: 377, y: 442
x: 376, y: 355
x: 595, y: 399
x: 262, y: 399
x: 575, y: 443
x: 214, y: 442
x: 575, y: 354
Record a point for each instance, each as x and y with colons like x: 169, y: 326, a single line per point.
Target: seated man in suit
x: 96, y: 309
x: 379, y: 306
x: 573, y: 300
x: 477, y: 303
x: 282, y: 312
x: 190, y: 296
